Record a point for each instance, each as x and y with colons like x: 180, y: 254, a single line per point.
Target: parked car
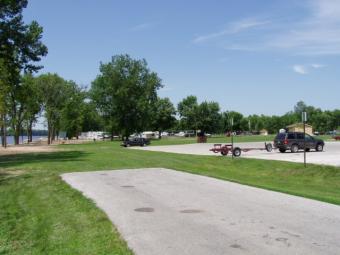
x: 135, y: 141
x: 180, y: 134
x: 190, y: 133
x: 294, y: 141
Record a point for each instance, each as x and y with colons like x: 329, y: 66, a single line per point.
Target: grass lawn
x: 40, y: 214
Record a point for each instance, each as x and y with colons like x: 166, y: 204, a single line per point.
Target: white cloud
x: 300, y: 69
x: 142, y: 26
x: 232, y: 28
x: 317, y: 66
x: 305, y: 69
x: 316, y: 33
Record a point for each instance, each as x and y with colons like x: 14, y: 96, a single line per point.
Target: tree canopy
x: 20, y: 49
x: 125, y: 93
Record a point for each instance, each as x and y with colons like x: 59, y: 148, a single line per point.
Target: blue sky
x: 250, y: 56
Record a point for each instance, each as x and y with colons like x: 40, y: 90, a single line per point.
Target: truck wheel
x: 282, y: 150
x: 294, y: 148
x: 237, y: 152
x: 319, y: 147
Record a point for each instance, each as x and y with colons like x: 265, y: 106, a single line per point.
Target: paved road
x: 160, y: 211
x: 330, y: 156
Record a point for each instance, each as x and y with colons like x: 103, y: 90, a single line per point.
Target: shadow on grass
x: 15, y: 160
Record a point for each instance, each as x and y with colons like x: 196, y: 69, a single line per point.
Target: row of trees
x: 123, y: 100
x: 207, y: 117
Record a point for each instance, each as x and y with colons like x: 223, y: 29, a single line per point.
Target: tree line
x: 207, y: 117
x: 122, y: 98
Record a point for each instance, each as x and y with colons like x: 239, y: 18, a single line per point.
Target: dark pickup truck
x: 294, y: 141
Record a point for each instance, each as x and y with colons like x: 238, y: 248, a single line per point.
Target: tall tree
x: 32, y: 101
x: 164, y: 115
x: 92, y: 121
x: 125, y: 92
x: 4, y: 88
x: 208, y: 117
x: 72, y: 114
x: 21, y: 47
x: 54, y: 92
x: 188, y: 110
x: 232, y: 116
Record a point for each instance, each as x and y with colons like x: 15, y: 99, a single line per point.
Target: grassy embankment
x: 40, y: 214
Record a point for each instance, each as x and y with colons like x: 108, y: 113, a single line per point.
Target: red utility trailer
x: 225, y: 149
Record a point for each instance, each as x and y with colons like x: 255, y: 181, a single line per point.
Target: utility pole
x: 232, y: 137
x: 304, y: 120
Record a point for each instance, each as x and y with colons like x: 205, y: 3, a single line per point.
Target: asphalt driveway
x: 161, y: 211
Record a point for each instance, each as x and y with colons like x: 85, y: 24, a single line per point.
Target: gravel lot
x: 330, y: 155
x: 161, y: 211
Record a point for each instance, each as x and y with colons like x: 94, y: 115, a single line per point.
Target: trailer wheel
x: 269, y: 147
x: 224, y: 153
x: 237, y: 152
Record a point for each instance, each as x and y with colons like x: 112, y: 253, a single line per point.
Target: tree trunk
x: 48, y: 133
x: 17, y: 135
x: 30, y: 132
x: 112, y: 133
x: 160, y: 134
x: 53, y: 134
x: 4, y: 133
x: 2, y: 138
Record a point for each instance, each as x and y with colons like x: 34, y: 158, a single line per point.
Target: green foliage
x: 21, y: 44
x: 231, y: 116
x: 187, y: 110
x: 53, y: 90
x: 64, y: 105
x: 208, y: 117
x: 125, y: 92
x: 72, y: 113
x: 20, y: 49
x: 164, y: 115
x: 92, y: 121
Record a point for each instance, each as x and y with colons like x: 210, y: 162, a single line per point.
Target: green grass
x: 40, y: 214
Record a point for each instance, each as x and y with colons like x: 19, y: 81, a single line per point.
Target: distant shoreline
x: 10, y: 139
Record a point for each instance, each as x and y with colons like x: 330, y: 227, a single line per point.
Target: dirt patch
x: 12, y: 150
x: 5, y: 175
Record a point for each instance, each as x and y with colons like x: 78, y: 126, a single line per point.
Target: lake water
x: 10, y: 139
